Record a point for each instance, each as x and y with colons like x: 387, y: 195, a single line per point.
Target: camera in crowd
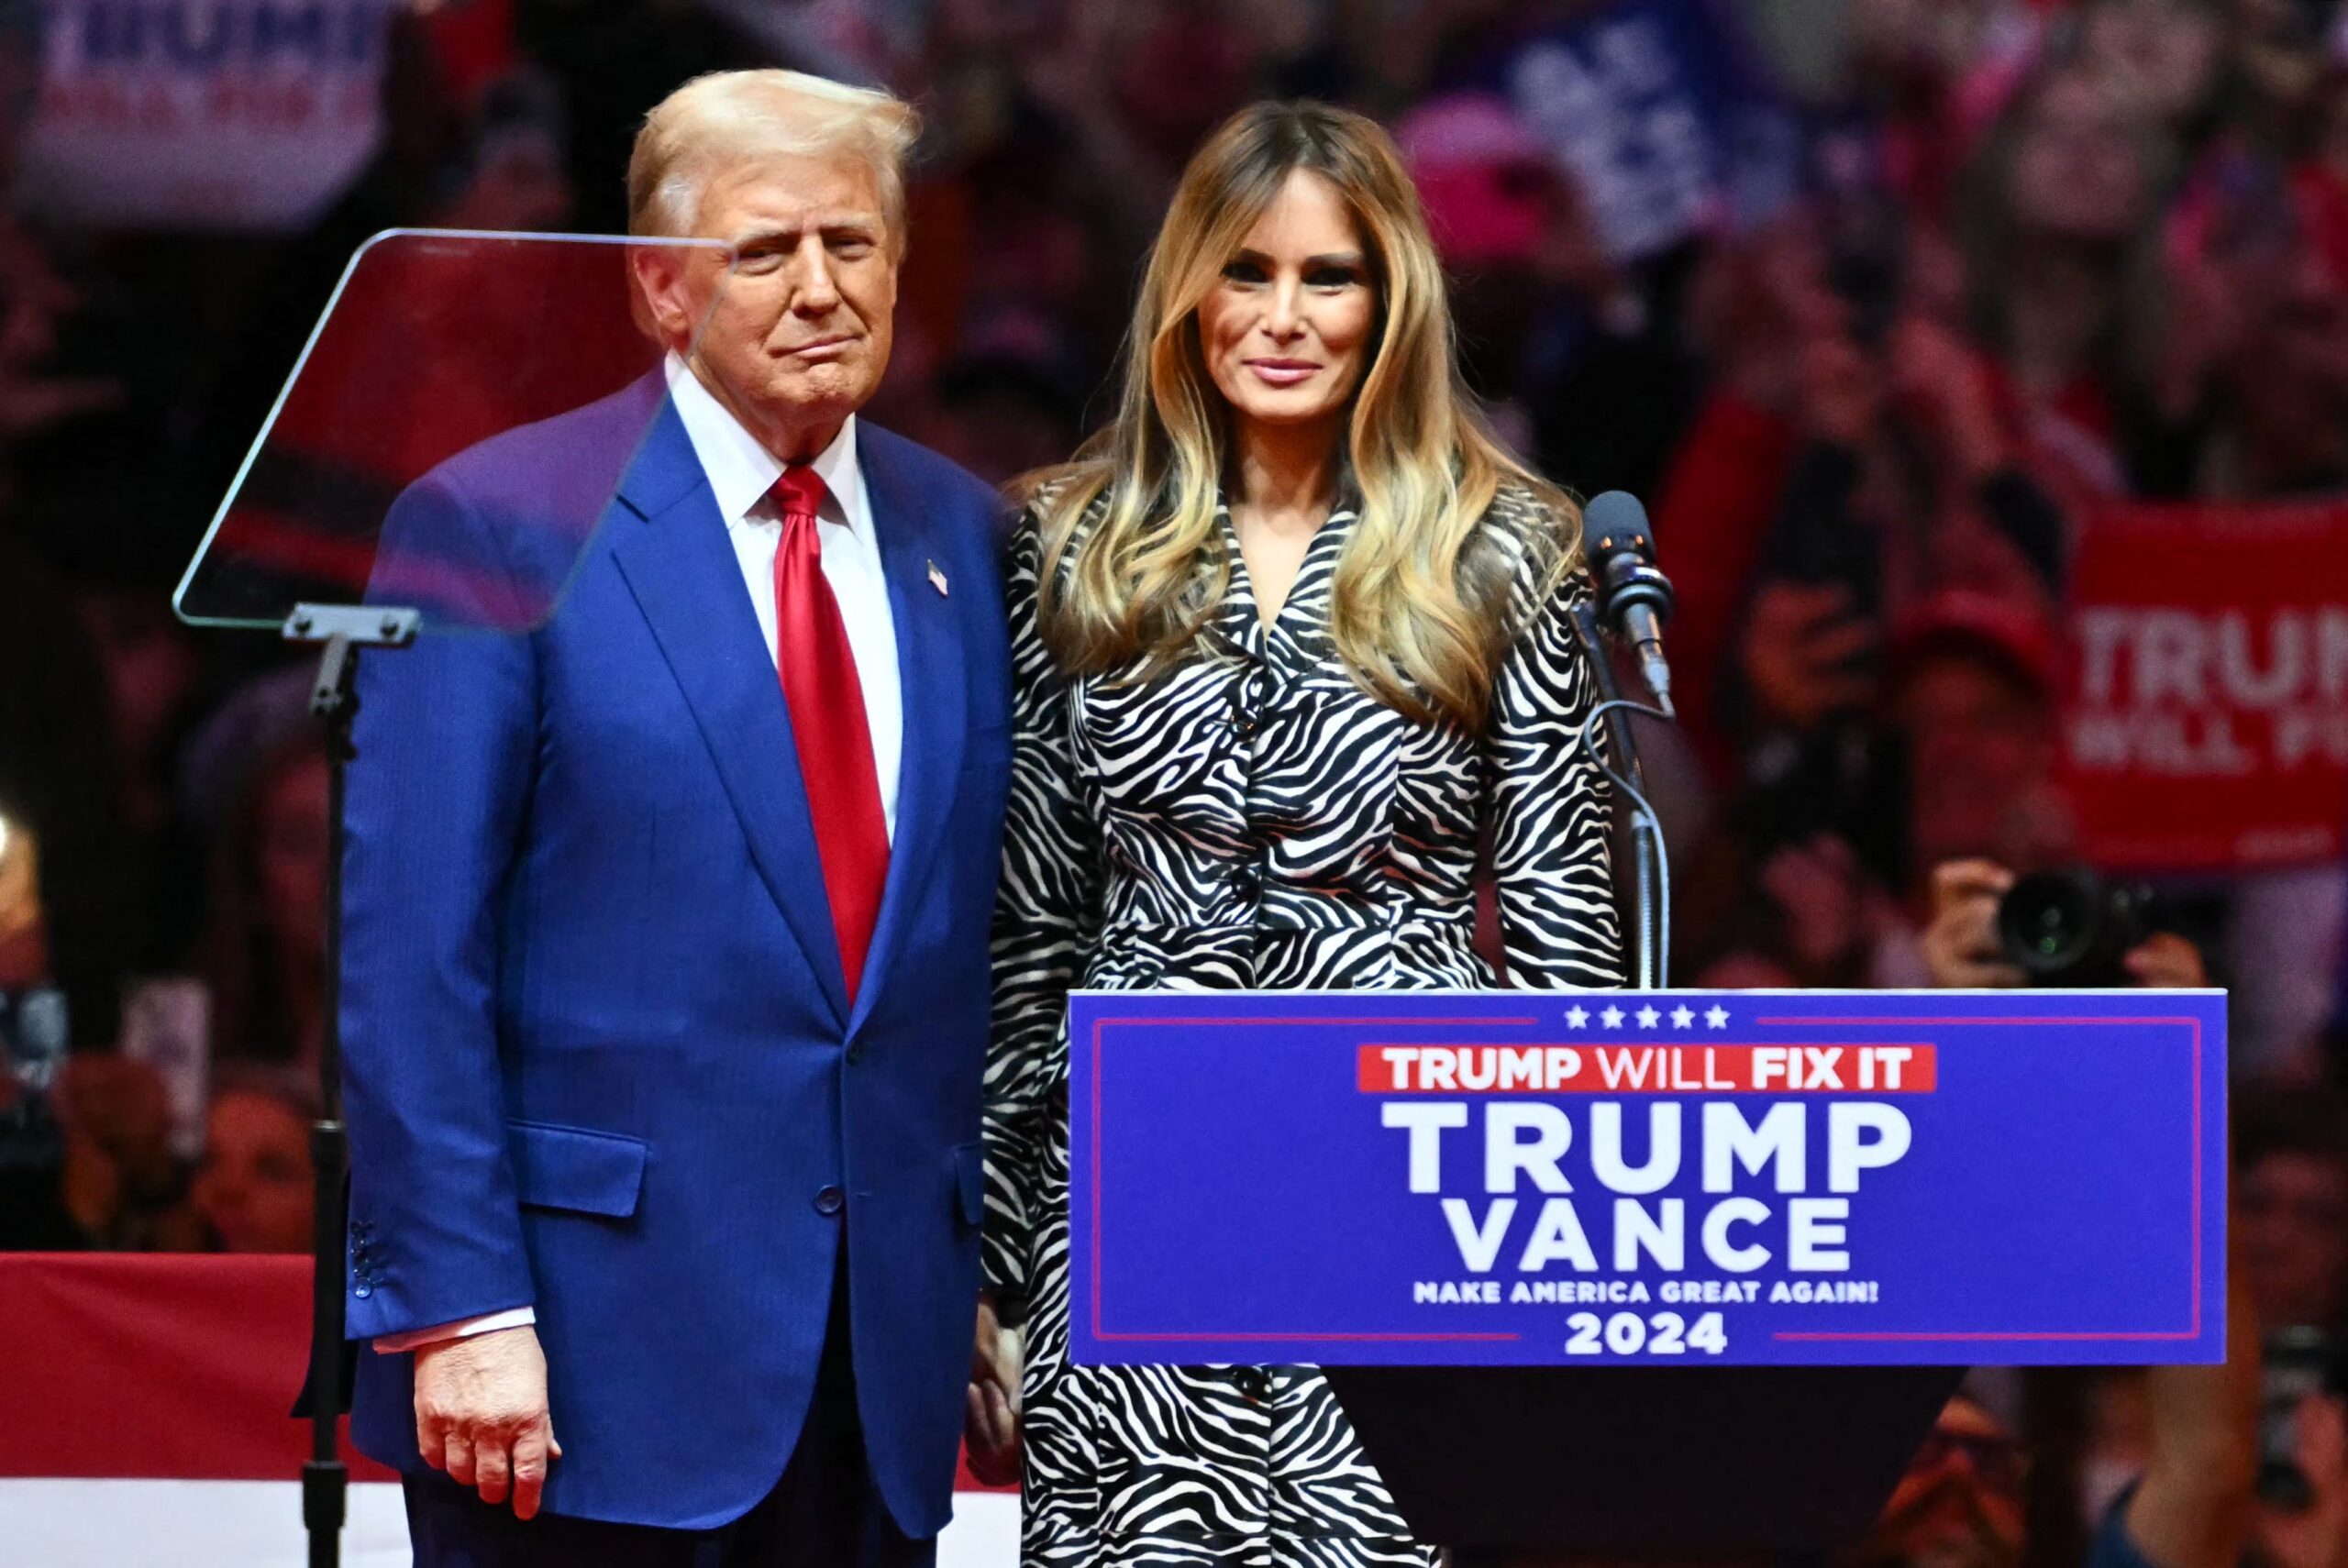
x: 2074, y: 927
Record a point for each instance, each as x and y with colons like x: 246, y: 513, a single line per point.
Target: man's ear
x: 657, y: 288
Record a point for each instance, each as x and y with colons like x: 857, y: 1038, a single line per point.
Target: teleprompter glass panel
x: 517, y: 373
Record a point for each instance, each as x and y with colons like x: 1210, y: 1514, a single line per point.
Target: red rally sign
x: 2208, y: 715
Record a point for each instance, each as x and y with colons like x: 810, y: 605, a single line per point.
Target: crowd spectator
x: 254, y: 1187
x: 1961, y: 1503
x: 2291, y: 1205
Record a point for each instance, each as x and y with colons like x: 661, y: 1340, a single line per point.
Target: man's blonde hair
x: 717, y: 123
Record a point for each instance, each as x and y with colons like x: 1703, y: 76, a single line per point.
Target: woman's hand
x: 990, y: 1417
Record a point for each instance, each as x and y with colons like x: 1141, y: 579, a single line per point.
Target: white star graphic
x: 1681, y: 1017
x: 1648, y: 1018
x: 1577, y: 1017
x: 1716, y: 1017
x: 1611, y: 1017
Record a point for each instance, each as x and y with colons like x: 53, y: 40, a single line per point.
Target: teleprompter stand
x: 434, y: 344
x: 1510, y: 1467
x: 341, y: 632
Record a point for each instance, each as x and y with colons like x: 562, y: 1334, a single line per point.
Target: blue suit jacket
x: 599, y: 1055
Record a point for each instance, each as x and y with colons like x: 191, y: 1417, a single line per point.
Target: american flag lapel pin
x: 938, y: 580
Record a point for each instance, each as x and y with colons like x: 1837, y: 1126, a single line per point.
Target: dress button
x: 1253, y: 1382
x: 830, y: 1201
x: 1246, y: 884
x: 362, y: 1290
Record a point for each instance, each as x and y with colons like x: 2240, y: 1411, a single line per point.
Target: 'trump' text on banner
x: 2207, y: 721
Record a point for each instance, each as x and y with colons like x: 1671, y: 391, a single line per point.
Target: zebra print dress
x: 1253, y: 818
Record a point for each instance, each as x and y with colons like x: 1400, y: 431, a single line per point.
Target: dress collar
x: 1299, y: 632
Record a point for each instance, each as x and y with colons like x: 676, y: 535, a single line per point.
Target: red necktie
x: 828, y: 719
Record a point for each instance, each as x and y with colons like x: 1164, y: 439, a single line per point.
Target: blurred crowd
x: 1880, y: 303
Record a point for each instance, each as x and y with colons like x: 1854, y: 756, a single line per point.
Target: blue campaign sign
x: 1523, y: 1177
x: 1661, y: 110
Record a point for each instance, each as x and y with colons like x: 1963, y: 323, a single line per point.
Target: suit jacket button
x: 856, y: 1052
x: 830, y: 1201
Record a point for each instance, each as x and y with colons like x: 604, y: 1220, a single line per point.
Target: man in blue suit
x: 666, y: 990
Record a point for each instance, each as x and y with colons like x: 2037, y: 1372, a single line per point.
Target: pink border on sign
x: 2193, y: 1329
x: 1100, y: 1333
x: 2191, y: 1332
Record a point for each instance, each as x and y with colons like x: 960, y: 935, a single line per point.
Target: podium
x: 1664, y: 1277
x: 1640, y: 1464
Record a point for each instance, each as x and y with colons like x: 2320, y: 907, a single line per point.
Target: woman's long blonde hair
x: 1420, y: 601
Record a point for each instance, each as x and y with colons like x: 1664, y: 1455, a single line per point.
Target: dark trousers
x: 824, y: 1513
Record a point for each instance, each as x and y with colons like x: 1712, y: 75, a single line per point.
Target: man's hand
x: 1961, y: 946
x: 481, y: 1415
x: 991, y: 1421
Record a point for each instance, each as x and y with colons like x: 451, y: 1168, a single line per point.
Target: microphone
x: 1635, y: 598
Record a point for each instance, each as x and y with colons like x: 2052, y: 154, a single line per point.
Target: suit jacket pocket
x: 574, y: 1168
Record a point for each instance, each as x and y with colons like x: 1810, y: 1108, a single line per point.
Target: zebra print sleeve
x: 1046, y: 911
x: 1551, y: 801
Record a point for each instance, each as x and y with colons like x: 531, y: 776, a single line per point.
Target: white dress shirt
x: 741, y: 474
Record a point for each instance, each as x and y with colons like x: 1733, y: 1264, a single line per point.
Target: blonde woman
x: 1289, y: 638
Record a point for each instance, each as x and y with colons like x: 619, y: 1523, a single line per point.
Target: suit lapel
x: 681, y: 568
x: 929, y: 669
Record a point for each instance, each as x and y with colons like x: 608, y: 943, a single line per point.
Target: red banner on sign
x: 2207, y: 721
x: 1645, y: 1069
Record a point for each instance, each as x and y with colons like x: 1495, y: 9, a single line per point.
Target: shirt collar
x: 741, y: 471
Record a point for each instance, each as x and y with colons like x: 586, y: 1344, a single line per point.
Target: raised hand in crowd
x: 2192, y: 1507
x: 121, y: 1184
x: 1805, y: 654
